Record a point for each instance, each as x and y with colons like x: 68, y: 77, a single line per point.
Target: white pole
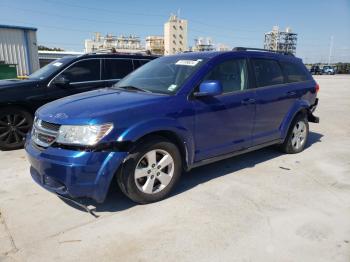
x: 330, y: 50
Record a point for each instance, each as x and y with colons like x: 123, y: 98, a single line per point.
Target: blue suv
x: 170, y: 115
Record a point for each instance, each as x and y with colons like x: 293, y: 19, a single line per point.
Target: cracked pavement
x: 261, y: 206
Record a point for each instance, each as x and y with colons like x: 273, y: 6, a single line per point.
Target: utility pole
x: 330, y: 50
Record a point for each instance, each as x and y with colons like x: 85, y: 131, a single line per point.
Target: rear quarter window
x: 294, y: 72
x: 267, y: 72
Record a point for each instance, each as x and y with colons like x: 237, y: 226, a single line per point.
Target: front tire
x: 151, y: 171
x: 297, y: 135
x: 15, y: 123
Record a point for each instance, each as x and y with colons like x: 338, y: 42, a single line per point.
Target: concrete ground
x: 262, y: 206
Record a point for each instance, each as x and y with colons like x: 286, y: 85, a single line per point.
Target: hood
x: 85, y: 107
x: 13, y: 83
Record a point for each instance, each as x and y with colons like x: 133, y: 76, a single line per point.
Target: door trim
x: 234, y: 153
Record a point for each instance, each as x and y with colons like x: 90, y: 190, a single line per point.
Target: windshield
x: 51, y: 68
x: 163, y: 75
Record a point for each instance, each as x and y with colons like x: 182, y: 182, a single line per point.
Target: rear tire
x: 151, y: 171
x: 15, y: 123
x: 297, y: 136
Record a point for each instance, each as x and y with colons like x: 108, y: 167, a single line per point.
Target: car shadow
x: 117, y: 201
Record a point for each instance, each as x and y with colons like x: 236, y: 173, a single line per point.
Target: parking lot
x: 262, y: 206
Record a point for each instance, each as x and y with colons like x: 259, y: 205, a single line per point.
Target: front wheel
x: 151, y: 171
x: 297, y: 135
x: 14, y: 125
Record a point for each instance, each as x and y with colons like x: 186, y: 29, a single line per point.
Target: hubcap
x: 13, y: 129
x: 299, y: 135
x: 154, y: 171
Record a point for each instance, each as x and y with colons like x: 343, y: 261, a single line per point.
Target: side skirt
x: 232, y: 154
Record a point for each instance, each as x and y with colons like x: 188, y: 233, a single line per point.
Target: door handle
x: 248, y: 101
x: 291, y: 93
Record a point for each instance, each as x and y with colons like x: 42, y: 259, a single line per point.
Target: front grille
x: 44, y: 133
x: 50, y: 126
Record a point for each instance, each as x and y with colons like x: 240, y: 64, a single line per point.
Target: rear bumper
x: 73, y: 173
x: 311, y: 117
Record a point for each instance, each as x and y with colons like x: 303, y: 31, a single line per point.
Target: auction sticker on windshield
x: 188, y: 62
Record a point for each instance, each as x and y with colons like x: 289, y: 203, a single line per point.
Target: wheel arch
x: 300, y: 107
x: 18, y: 106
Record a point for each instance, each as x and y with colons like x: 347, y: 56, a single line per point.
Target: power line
x: 76, y: 18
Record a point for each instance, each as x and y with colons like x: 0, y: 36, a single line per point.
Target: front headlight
x: 88, y: 135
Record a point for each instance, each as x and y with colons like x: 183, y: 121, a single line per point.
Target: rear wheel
x: 297, y: 135
x: 14, y: 125
x: 151, y: 172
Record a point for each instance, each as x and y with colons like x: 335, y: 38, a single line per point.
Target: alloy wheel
x: 13, y: 129
x: 299, y: 135
x: 154, y: 171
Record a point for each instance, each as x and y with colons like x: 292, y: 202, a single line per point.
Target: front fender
x: 144, y: 128
x: 298, y: 106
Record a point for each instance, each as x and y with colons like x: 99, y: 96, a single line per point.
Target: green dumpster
x: 8, y: 71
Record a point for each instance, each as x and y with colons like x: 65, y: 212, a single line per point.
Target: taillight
x: 317, y: 88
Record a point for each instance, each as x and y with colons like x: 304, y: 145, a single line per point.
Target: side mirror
x: 209, y: 88
x: 61, y: 81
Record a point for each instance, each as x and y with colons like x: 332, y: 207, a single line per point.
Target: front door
x: 224, y: 123
x: 84, y: 75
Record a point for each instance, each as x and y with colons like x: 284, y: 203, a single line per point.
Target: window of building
x: 174, y: 27
x: 116, y: 68
x: 180, y: 42
x: 232, y: 74
x: 85, y: 70
x: 267, y: 72
x: 180, y: 36
x: 294, y: 72
x: 174, y: 42
x: 181, y: 27
x: 174, y: 35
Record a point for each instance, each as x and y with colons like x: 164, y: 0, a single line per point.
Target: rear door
x: 274, y: 97
x: 115, y: 69
x: 224, y: 123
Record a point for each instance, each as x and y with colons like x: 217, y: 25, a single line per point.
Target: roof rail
x: 113, y: 51
x: 262, y: 50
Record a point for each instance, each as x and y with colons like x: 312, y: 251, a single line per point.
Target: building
x: 222, y: 47
x: 123, y: 44
x: 175, y: 35
x: 46, y: 57
x: 281, y: 40
x: 18, y: 46
x: 155, y: 44
x: 203, y: 44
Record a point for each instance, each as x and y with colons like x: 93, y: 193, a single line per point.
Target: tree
x: 45, y: 48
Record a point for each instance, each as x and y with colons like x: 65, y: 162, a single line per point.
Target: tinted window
x: 116, y: 68
x: 294, y: 72
x: 267, y: 72
x: 86, y: 70
x: 51, y: 68
x: 232, y: 74
x: 138, y: 63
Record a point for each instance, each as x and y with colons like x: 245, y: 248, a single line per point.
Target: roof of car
x: 117, y: 55
x: 212, y: 54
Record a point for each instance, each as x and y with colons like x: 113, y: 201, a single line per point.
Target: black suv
x: 316, y: 70
x: 69, y: 75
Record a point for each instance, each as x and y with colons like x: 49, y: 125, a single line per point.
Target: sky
x: 67, y: 23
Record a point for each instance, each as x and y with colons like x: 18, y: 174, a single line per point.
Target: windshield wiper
x: 133, y: 88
